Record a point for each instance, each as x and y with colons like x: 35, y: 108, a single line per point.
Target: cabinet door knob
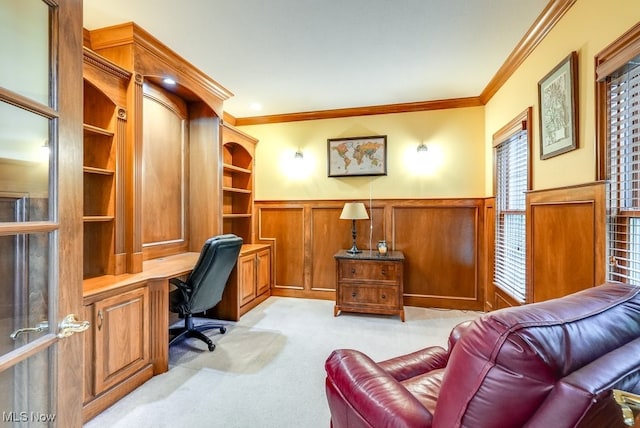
x: 354, y: 294
x: 384, y: 272
x: 100, y: 319
x: 353, y: 270
x: 383, y: 296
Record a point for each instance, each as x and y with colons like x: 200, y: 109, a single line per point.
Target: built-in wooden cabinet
x: 116, y: 347
x: 103, y: 143
x: 249, y: 283
x: 238, y: 151
x: 254, y: 275
x: 161, y: 176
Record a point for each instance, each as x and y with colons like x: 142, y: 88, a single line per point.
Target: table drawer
x: 372, y: 271
x: 382, y: 296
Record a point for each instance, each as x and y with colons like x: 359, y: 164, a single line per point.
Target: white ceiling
x: 295, y: 56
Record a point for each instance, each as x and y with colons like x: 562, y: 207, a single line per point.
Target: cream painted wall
x: 454, y: 166
x: 587, y: 28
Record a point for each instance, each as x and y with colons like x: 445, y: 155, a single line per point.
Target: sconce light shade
x: 422, y: 148
x: 354, y: 211
x: 298, y: 155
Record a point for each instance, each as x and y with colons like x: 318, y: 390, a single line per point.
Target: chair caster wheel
x: 212, y: 347
x: 223, y: 330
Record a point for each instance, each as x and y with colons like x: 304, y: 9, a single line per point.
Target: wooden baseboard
x: 109, y: 397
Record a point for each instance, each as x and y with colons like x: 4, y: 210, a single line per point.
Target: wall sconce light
x: 354, y: 211
x: 298, y: 156
x: 422, y: 149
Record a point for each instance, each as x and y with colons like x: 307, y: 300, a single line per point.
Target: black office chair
x: 204, y: 287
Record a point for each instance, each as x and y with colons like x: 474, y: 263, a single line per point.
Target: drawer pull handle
x: 384, y: 296
x: 353, y: 270
x: 354, y: 294
x: 100, y: 319
x: 384, y: 272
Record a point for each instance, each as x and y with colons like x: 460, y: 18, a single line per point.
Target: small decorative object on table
x: 382, y: 247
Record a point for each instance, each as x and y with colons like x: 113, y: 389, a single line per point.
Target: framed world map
x: 357, y: 156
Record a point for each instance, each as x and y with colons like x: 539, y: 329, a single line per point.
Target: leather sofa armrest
x: 416, y: 363
x: 362, y: 394
x: 589, y: 390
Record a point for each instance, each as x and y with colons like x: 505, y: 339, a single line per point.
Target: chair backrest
x: 210, y: 274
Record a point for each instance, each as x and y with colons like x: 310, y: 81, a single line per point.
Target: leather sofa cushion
x: 426, y: 388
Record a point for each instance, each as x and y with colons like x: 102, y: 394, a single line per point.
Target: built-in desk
x: 128, y: 341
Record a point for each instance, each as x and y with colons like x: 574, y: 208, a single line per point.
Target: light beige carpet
x: 268, y: 369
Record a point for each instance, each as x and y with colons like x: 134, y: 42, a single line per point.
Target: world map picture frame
x: 357, y: 156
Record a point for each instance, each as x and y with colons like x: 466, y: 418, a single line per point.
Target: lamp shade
x: 354, y: 211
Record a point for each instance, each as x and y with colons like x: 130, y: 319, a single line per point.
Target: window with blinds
x: 623, y: 173
x: 512, y: 181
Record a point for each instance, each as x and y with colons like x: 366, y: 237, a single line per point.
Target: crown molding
x: 545, y: 22
x: 549, y: 17
x: 361, y: 111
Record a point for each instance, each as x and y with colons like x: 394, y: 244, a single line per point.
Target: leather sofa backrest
x: 507, y: 363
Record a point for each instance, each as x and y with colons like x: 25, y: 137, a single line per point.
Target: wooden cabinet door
x: 121, y: 329
x: 247, y: 278
x: 264, y: 271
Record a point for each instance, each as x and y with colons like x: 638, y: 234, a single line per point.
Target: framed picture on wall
x: 357, y: 156
x: 558, y: 108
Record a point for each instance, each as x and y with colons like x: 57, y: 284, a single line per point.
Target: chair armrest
x: 179, y: 283
x: 358, y: 389
x: 185, y: 290
x: 589, y: 390
x: 416, y: 363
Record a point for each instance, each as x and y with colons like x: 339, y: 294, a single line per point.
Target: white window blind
x: 512, y: 181
x: 623, y: 173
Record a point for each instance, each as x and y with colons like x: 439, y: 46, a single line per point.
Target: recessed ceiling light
x: 255, y: 106
x: 169, y: 81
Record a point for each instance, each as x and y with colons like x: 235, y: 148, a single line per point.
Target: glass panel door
x: 28, y: 224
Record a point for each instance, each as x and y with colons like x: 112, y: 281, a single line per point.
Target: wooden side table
x: 369, y: 283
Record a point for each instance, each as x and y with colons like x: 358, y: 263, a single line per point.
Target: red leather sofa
x: 551, y: 364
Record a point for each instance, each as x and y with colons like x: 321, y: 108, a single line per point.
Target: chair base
x: 191, y: 330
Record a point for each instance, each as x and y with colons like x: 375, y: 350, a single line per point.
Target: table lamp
x: 354, y: 211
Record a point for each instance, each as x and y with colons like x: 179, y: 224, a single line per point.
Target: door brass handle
x: 71, y: 324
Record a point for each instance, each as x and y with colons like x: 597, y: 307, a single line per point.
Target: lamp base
x: 354, y: 250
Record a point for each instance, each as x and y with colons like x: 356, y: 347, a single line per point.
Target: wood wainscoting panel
x: 330, y: 234
x: 442, y: 241
x: 441, y: 247
x: 284, y: 227
x: 566, y: 240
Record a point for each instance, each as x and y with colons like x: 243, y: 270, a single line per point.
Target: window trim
x: 522, y: 122
x: 607, y: 62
